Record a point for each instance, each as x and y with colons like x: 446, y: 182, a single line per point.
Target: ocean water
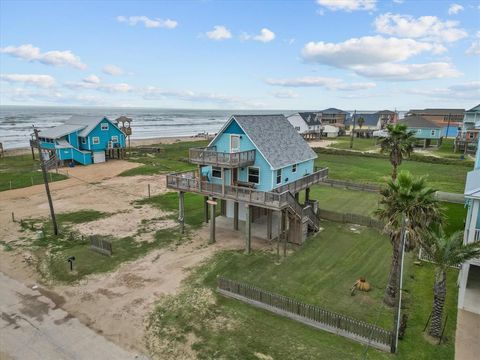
x: 16, y: 121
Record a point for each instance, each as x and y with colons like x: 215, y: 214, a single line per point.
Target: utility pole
x: 353, y: 130
x: 398, y: 298
x: 45, y: 180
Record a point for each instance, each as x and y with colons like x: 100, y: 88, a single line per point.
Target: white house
x: 306, y: 123
x: 330, y: 130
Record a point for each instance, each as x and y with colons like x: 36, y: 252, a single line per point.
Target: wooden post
x: 13, y: 216
x: 307, y: 195
x: 33, y: 152
x: 200, y: 182
x: 47, y: 188
x: 248, y: 228
x: 149, y: 190
x: 284, y: 232
x: 205, y: 209
x: 235, y: 215
x: 297, y: 196
x: 269, y: 224
x: 223, y: 181
x: 212, y: 203
x: 181, y: 209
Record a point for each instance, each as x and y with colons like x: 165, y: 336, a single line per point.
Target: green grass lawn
x: 359, y: 144
x: 173, y: 158
x: 321, y: 272
x: 22, y: 171
x: 443, y: 177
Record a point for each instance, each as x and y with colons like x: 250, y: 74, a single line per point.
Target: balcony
x: 474, y: 238
x: 304, y: 182
x: 210, y: 156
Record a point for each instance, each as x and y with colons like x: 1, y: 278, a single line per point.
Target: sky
x: 312, y: 54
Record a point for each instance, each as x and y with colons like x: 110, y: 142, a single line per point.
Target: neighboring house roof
x: 311, y: 118
x: 63, y: 144
x: 333, y: 111
x: 437, y: 111
x: 474, y: 109
x: 389, y: 112
x: 369, y: 119
x: 275, y: 138
x: 472, y: 188
x: 89, y: 123
x: 417, y: 121
x: 59, y: 131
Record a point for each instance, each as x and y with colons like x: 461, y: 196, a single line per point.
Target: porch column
x: 297, y: 195
x: 200, y: 180
x: 223, y: 181
x: 269, y: 224
x: 212, y: 203
x: 462, y: 284
x: 284, y: 232
x: 473, y: 222
x: 235, y: 215
x: 181, y: 211
x: 248, y: 228
x: 205, y: 209
x: 307, y: 195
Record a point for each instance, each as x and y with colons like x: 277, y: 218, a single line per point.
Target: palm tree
x: 360, y: 122
x: 410, y: 197
x: 445, y: 251
x: 398, y: 144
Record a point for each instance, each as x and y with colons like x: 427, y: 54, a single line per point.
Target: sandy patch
x: 321, y: 143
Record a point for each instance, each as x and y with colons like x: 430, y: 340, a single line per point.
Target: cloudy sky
x: 364, y: 54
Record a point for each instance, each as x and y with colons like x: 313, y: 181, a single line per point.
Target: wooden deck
x: 209, y: 156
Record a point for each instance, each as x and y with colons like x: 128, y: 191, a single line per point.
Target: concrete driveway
x: 33, y: 327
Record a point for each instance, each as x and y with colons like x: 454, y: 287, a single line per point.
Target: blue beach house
x: 84, y: 140
x: 255, y: 169
x: 425, y: 130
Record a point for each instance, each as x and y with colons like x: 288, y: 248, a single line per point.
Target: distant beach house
x: 307, y: 124
x: 84, y: 140
x: 333, y: 121
x: 425, y: 130
x: 449, y: 120
x: 255, y: 168
x: 466, y: 140
x: 368, y: 122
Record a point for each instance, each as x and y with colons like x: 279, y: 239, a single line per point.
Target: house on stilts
x: 255, y: 169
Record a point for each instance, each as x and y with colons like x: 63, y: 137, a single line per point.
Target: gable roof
x: 89, y: 123
x: 59, y: 131
x: 370, y: 119
x: 437, y: 111
x: 275, y: 138
x: 417, y: 121
x: 333, y: 111
x: 474, y: 109
x: 311, y: 117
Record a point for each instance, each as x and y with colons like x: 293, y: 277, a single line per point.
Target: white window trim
x: 294, y: 168
x: 276, y: 176
x: 114, y: 138
x: 97, y: 141
x: 221, y: 172
x: 248, y: 173
x: 231, y: 137
x: 102, y: 126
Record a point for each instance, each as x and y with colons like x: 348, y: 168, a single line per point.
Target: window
x: 470, y: 135
x: 95, y: 140
x: 297, y: 128
x: 104, y: 126
x: 216, y: 172
x: 234, y: 143
x: 84, y: 140
x: 294, y: 168
x: 433, y: 132
x: 279, y: 176
x: 254, y: 175
x: 115, y: 138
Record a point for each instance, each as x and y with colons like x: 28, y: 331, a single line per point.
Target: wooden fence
x: 100, y: 245
x: 351, y: 185
x: 350, y: 218
x: 315, y: 316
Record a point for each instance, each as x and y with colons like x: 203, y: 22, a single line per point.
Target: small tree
x: 410, y: 197
x: 445, y: 251
x: 398, y: 144
x: 360, y: 122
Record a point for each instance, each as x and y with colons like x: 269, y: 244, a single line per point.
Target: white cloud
x: 474, y: 48
x: 55, y: 57
x: 289, y: 94
x: 455, y: 9
x: 408, y: 72
x: 92, y: 79
x: 366, y: 50
x: 219, y: 32
x: 44, y: 81
x: 265, y: 36
x: 93, y: 82
x: 318, y: 81
x: 398, y: 1
x: 348, y: 5
x: 112, y: 70
x: 461, y: 91
x: 147, y: 22
x: 424, y: 27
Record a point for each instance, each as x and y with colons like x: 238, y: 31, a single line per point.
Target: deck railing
x: 210, y: 156
x: 476, y: 236
x: 312, y: 315
x: 304, y: 182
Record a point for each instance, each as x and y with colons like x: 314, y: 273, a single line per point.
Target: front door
x: 234, y: 176
x: 234, y: 143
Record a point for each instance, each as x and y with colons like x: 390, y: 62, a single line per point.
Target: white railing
x: 475, y: 238
x: 210, y: 156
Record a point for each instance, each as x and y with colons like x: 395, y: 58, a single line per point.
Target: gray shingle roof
x: 59, y: 131
x: 333, y: 111
x: 88, y: 122
x: 311, y: 118
x: 369, y: 119
x: 276, y: 139
x: 437, y: 111
x: 417, y: 121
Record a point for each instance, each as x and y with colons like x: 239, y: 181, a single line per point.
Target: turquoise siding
x: 47, y: 145
x: 104, y: 137
x: 73, y: 139
x: 427, y: 133
x: 267, y: 180
x: 84, y: 158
